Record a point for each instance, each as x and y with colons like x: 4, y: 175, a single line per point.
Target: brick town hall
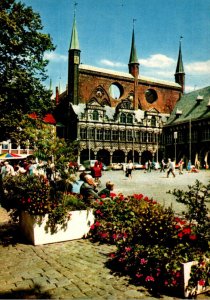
x: 114, y: 115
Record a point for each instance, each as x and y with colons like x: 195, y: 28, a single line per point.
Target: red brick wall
x: 89, y: 81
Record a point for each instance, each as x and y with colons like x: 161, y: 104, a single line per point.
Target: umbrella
x: 12, y: 156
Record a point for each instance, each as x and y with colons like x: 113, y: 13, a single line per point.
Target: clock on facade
x: 76, y: 59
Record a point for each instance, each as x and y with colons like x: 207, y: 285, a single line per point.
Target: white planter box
x: 35, y: 232
x: 186, y: 269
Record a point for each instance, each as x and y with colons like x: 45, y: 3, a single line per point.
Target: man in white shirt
x: 171, y: 168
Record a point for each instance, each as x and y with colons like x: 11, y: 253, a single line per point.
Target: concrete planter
x: 186, y: 269
x: 34, y: 227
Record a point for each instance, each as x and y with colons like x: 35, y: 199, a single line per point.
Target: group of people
x: 29, y: 167
x: 87, y: 186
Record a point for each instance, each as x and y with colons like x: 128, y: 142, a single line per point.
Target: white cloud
x: 55, y: 57
x: 198, y: 68
x: 158, y: 61
x: 109, y: 63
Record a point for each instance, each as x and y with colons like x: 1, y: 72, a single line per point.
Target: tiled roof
x: 127, y: 75
x: 194, y: 105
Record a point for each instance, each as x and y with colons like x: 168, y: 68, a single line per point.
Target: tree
x: 22, y: 66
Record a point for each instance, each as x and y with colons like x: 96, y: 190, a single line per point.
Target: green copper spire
x: 133, y: 55
x: 74, y: 44
x: 180, y: 67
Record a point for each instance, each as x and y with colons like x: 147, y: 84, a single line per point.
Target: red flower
x: 97, y: 224
x: 112, y: 195
x: 180, y: 234
x: 103, y: 196
x: 104, y: 234
x: 201, y: 282
x: 92, y: 227
x: 112, y: 255
x: 186, y: 230
x: 193, y: 237
x: 114, y: 236
x: 174, y: 282
x: 177, y: 226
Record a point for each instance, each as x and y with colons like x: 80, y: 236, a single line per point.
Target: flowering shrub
x: 152, y: 242
x: 34, y: 195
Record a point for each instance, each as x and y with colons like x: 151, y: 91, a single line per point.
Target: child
x: 106, y: 192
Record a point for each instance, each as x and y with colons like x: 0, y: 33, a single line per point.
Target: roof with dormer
x: 191, y: 106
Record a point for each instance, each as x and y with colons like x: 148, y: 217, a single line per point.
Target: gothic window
x: 115, y: 135
x: 95, y: 115
x: 107, y: 135
x: 99, y: 134
x: 83, y: 133
x: 137, y: 136
x: 91, y: 134
x: 153, y: 121
x: 123, y: 118
x: 144, y: 137
x: 122, y: 135
x: 129, y: 118
x: 150, y: 137
x: 129, y: 135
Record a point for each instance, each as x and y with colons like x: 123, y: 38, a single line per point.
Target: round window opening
x: 115, y: 90
x: 151, y: 95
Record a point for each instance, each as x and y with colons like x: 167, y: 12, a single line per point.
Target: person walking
x: 149, y: 166
x: 96, y: 171
x: 162, y: 166
x: 181, y: 163
x: 129, y: 169
x: 171, y: 168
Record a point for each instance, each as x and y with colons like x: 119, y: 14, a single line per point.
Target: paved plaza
x: 77, y: 269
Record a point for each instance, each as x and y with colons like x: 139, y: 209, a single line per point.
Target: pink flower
x: 174, y: 282
x: 139, y: 275
x: 143, y: 261
x: 127, y: 249
x: 149, y: 278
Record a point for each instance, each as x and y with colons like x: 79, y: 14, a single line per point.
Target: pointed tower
x: 133, y: 67
x: 180, y: 74
x: 73, y: 66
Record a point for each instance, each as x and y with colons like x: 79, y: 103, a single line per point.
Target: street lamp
x: 175, y: 138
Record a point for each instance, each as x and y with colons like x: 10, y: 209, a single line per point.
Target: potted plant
x: 155, y: 247
x: 45, y: 212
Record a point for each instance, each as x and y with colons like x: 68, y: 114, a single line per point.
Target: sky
x: 105, y: 31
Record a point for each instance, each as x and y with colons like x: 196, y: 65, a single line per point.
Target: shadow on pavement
x: 10, y: 234
x: 33, y: 293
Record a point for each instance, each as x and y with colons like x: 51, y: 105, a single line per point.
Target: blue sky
x: 105, y: 30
